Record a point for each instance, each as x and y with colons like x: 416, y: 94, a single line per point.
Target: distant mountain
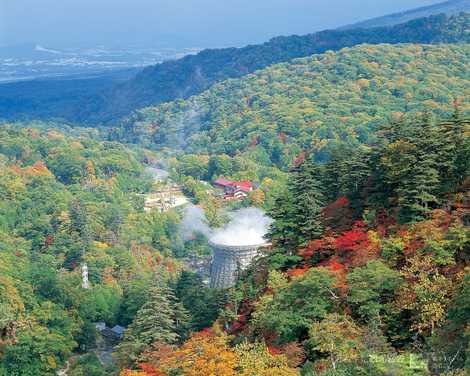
x: 193, y: 74
x: 451, y: 7
x: 310, y: 103
x: 57, y: 98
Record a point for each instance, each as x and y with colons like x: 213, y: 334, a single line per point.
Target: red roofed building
x: 223, y: 183
x: 234, y: 190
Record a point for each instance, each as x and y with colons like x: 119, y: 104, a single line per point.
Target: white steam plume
x: 246, y: 227
x: 194, y: 221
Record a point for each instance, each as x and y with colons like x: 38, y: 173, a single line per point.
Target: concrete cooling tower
x: 229, y: 261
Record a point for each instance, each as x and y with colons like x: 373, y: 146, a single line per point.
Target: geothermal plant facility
x: 229, y: 261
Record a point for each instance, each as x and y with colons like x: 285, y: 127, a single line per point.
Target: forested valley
x: 360, y: 156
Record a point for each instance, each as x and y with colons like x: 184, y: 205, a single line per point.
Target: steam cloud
x: 246, y: 227
x: 194, y: 221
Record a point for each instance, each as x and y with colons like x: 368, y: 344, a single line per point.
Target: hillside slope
x: 312, y: 102
x: 451, y: 7
x: 194, y: 74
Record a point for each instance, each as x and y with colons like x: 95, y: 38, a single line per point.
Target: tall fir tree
x: 283, y: 230
x: 203, y: 304
x: 297, y: 213
x: 451, y: 137
x: 162, y: 319
x: 308, y: 201
x: 419, y: 190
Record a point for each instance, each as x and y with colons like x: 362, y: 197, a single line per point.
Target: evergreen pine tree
x: 355, y: 177
x: 451, y: 141
x: 333, y: 177
x: 297, y: 213
x: 202, y: 303
x: 308, y: 201
x: 418, y: 191
x: 182, y: 321
x: 154, y: 321
x: 283, y: 229
x: 162, y: 319
x: 462, y: 169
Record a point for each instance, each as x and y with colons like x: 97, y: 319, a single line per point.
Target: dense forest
x: 193, y: 74
x: 66, y: 201
x: 368, y: 274
x: 315, y: 103
x: 360, y: 155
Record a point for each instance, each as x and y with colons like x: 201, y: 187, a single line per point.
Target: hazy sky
x: 200, y: 23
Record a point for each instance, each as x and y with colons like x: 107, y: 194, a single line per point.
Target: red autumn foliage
x: 313, y: 246
x: 150, y: 370
x: 384, y: 223
x: 322, y: 249
x: 170, y: 267
x: 153, y: 356
x: 270, y: 336
x: 340, y: 270
x: 206, y: 332
x: 353, y: 240
x: 39, y: 168
x: 274, y: 350
x: 241, y: 324
x: 334, y: 265
x: 236, y: 327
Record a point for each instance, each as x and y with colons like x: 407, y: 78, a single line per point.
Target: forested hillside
x: 450, y: 7
x: 193, y: 74
x: 64, y: 202
x: 368, y: 274
x: 356, y: 144
x: 273, y: 116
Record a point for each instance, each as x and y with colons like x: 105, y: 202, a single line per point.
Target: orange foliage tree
x: 205, y: 353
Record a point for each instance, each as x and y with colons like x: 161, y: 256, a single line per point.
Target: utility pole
x: 85, y: 283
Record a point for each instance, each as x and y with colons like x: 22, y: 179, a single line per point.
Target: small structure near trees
x: 234, y: 190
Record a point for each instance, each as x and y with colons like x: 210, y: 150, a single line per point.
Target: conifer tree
x: 203, y: 304
x: 453, y: 160
x: 154, y: 321
x: 418, y: 190
x: 283, y: 229
x: 308, y: 201
x: 162, y: 319
x: 297, y: 213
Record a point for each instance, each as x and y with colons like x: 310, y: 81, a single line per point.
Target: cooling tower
x: 229, y: 261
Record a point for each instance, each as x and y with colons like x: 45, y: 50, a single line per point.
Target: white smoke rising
x: 194, y: 221
x: 246, y: 227
x: 184, y: 127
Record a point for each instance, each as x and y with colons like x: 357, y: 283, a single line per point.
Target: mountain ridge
x: 309, y: 103
x: 451, y: 7
x: 191, y: 75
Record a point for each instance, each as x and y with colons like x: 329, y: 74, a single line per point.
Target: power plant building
x: 229, y: 262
